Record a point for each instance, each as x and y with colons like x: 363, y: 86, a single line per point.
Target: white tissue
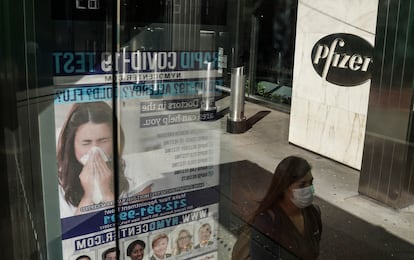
x: 97, y: 194
x: 85, y: 158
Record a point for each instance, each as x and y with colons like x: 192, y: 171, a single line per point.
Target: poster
x: 168, y: 157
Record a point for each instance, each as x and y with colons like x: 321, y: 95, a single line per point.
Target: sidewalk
x: 336, y: 185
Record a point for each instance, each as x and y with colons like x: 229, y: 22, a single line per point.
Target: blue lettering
x: 131, y: 214
x: 183, y: 203
x: 158, y: 208
x: 198, y: 58
x: 81, y: 62
x: 109, y: 219
x: 67, y: 67
x: 186, y: 61
x: 123, y: 216
x: 57, y: 56
x: 91, y: 56
x: 126, y: 215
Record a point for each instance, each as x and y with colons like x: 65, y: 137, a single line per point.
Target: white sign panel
x: 331, y: 81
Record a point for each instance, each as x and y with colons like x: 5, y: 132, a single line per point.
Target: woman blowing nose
x: 85, y: 153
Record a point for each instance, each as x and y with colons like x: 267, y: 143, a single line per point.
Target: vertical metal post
x: 236, y: 121
x: 208, y: 109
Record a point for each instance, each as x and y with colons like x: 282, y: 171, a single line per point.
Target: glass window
x: 160, y: 130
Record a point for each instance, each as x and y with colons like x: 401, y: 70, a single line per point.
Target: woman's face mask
x: 303, y: 197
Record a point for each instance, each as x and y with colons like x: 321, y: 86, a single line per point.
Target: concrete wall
x: 328, y: 118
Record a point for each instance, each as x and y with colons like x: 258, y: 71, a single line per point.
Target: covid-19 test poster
x: 167, y: 176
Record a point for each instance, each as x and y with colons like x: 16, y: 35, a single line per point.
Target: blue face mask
x: 303, y: 197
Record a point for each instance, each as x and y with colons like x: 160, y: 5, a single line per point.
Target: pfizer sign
x: 343, y: 59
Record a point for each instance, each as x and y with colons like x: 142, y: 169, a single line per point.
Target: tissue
x: 85, y: 158
x: 97, y: 194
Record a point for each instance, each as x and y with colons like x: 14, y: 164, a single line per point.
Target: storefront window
x: 122, y: 139
x: 268, y: 51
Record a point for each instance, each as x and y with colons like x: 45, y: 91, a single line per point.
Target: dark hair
x: 288, y: 171
x: 158, y: 237
x: 69, y: 167
x: 110, y: 250
x: 133, y: 244
x: 82, y: 256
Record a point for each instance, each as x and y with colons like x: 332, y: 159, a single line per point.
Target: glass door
x: 112, y: 125
x: 137, y: 140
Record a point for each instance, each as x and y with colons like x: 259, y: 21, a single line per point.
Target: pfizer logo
x: 343, y: 59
